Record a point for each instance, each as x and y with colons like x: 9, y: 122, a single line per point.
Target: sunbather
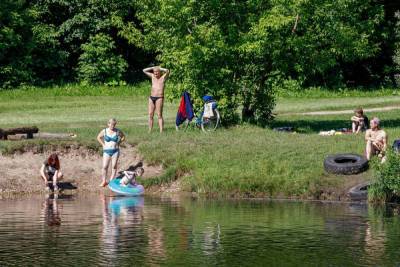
x: 376, y: 139
x: 359, y: 122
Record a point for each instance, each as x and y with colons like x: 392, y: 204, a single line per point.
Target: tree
x: 239, y: 50
x: 98, y: 63
x: 15, y: 43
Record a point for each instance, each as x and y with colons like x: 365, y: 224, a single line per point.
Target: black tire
x: 345, y: 164
x: 359, y: 192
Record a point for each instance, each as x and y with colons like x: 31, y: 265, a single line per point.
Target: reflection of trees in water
x: 156, y: 241
x: 361, y: 231
x: 155, y: 235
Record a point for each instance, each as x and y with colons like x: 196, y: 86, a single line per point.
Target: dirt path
x: 347, y: 111
x: 19, y: 173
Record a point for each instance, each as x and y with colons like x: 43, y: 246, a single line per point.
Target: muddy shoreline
x: 81, y: 166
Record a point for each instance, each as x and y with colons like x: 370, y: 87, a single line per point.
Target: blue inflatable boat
x: 129, y: 190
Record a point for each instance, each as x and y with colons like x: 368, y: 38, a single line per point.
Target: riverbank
x: 238, y: 161
x: 81, y: 166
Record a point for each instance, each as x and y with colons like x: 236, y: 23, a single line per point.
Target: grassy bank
x: 246, y: 160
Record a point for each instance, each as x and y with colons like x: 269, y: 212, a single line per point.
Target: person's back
x: 366, y: 123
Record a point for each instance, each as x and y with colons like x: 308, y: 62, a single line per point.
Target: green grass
x: 244, y: 160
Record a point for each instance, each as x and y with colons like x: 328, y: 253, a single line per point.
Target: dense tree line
x: 239, y: 51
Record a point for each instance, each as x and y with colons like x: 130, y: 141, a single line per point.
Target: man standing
x: 376, y: 139
x: 156, y: 99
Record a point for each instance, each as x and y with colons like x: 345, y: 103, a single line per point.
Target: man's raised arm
x: 147, y: 71
x: 166, y: 72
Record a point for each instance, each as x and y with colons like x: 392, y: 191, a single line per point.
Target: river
x: 100, y: 230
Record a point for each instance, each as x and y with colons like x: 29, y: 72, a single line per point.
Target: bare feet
x: 103, y: 184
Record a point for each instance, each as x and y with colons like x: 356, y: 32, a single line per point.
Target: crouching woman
x: 50, y: 171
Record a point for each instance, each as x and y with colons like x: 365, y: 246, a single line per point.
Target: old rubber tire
x: 359, y: 192
x: 345, y: 164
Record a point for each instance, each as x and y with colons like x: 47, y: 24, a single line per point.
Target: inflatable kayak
x: 129, y: 190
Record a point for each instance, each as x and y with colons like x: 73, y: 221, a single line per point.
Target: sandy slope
x: 81, y: 167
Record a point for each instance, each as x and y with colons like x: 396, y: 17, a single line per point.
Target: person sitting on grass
x: 359, y: 122
x: 376, y: 139
x: 50, y: 171
x: 110, y: 138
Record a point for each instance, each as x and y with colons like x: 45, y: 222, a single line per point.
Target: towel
x: 185, y: 111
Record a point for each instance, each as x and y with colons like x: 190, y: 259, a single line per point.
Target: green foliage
x: 396, y: 57
x: 99, y: 63
x: 198, y: 41
x: 239, y: 51
x: 387, y: 179
x: 15, y: 43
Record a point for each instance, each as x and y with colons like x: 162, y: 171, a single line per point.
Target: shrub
x: 386, y: 184
x: 99, y: 64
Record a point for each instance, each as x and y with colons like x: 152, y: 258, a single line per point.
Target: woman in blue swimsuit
x: 110, y: 138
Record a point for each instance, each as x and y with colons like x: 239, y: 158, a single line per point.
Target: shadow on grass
x: 315, y: 126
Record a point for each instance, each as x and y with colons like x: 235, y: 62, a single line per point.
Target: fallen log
x: 29, y: 131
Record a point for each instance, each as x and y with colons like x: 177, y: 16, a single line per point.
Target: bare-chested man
x: 156, y: 99
x: 376, y: 139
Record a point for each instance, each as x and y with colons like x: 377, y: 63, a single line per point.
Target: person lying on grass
x: 376, y: 139
x: 359, y: 122
x: 156, y: 99
x: 50, y: 171
x: 110, y: 138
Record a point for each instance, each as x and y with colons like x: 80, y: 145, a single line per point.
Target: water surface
x: 98, y: 230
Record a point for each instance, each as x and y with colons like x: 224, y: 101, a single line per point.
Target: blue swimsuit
x: 115, y: 139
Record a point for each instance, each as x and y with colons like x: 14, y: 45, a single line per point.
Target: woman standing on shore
x: 110, y: 138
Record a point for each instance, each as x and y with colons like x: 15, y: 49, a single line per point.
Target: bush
x: 396, y: 57
x: 99, y: 64
x: 386, y: 185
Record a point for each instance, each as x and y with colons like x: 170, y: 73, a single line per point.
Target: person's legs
x: 46, y: 180
x: 57, y: 177
x: 159, y: 110
x: 354, y: 126
x: 151, y: 114
x: 372, y: 150
x: 114, y: 165
x: 106, y: 162
x: 369, y: 150
x: 359, y: 128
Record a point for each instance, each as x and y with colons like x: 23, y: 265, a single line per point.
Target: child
x: 50, y: 171
x: 359, y: 121
x: 129, y: 176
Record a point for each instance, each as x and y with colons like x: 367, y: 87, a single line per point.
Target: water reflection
x: 118, y: 215
x: 51, y: 210
x: 108, y: 231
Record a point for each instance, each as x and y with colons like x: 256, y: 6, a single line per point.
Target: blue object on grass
x: 129, y: 190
